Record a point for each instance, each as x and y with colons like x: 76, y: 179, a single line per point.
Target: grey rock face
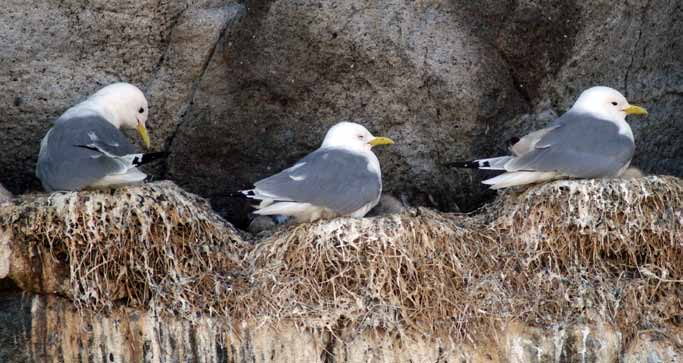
x: 239, y: 92
x: 15, y: 325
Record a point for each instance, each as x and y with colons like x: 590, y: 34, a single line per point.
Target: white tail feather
x: 519, y: 178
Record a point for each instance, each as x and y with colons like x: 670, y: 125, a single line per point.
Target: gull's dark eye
x: 614, y: 103
x: 141, y: 110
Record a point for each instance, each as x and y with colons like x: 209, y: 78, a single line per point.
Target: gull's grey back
x: 63, y: 165
x: 580, y: 145
x: 333, y: 178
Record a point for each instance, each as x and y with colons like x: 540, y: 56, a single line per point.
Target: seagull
x: 341, y: 178
x: 85, y: 148
x: 591, y: 140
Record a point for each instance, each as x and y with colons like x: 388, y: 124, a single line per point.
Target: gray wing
x: 333, y: 178
x: 80, y: 151
x: 578, y: 145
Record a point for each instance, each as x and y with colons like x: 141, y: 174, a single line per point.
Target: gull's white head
x: 607, y: 103
x: 350, y: 135
x: 125, y: 106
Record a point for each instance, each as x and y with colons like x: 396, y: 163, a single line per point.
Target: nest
x: 556, y: 253
x: 153, y: 245
x: 562, y: 252
x: 614, y: 246
x: 410, y: 268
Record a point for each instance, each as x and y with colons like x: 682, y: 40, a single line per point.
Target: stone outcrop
x: 130, y: 336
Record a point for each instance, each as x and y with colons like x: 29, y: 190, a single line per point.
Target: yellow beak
x: 381, y: 141
x: 635, y: 110
x: 143, y: 133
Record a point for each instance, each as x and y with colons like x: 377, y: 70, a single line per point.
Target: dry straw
x: 561, y: 252
x: 151, y: 245
x: 557, y: 253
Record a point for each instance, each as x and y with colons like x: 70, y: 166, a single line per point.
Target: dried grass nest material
x: 149, y: 245
x: 550, y: 254
x: 617, y: 225
x: 546, y: 255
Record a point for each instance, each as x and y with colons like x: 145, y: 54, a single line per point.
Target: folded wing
x: 336, y: 179
x: 577, y: 145
x: 81, y: 152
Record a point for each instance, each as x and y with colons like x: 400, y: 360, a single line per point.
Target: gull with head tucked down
x: 85, y: 148
x: 341, y: 178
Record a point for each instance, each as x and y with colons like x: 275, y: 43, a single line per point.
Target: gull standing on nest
x: 591, y: 140
x: 86, y: 149
x: 341, y: 178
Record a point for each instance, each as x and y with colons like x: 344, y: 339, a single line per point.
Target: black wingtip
x: 149, y: 157
x: 241, y: 195
x: 472, y: 164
